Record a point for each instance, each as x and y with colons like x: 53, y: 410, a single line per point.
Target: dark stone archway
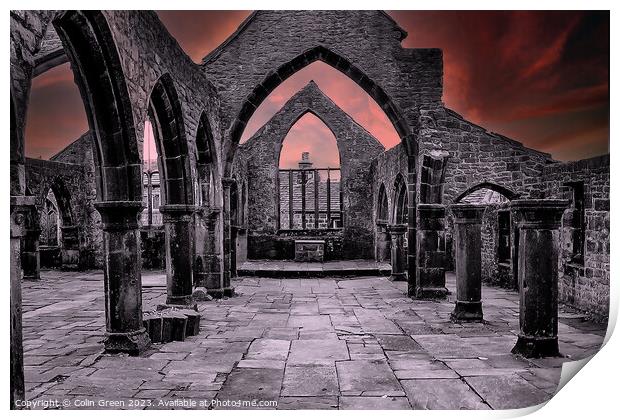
x: 261, y: 156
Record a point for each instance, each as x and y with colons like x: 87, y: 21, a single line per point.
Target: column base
x: 536, y: 347
x: 398, y: 277
x: 467, y: 312
x: 193, y: 306
x: 186, y: 300
x: 431, y: 292
x: 132, y: 343
x: 221, y: 292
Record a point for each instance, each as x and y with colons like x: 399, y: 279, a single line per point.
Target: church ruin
x: 451, y: 196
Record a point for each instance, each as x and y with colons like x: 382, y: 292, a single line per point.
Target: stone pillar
x: 228, y: 290
x: 399, y: 253
x: 30, y: 255
x: 382, y: 252
x: 468, y: 262
x: 538, y: 222
x: 178, y: 226
x: 208, y: 267
x: 21, y: 206
x: 122, y: 281
x: 431, y: 250
x: 70, y: 247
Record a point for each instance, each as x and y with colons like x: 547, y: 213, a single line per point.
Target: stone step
x: 171, y: 324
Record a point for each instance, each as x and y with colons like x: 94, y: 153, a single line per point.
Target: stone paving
x: 354, y: 343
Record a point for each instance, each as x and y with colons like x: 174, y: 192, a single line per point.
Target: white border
x: 592, y: 395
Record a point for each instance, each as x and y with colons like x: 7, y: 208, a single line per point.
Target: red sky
x: 538, y: 77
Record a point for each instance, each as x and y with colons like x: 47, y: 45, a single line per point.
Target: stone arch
x: 507, y: 193
x: 400, y: 201
x: 91, y: 49
x: 356, y: 148
x: 167, y: 120
x: 338, y: 62
x: 63, y: 199
x: 383, y: 211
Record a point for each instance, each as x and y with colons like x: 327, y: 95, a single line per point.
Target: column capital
x: 178, y: 209
x: 539, y: 213
x: 227, y: 182
x: 119, y: 215
x: 398, y: 229
x: 21, y: 206
x: 437, y: 210
x: 467, y: 213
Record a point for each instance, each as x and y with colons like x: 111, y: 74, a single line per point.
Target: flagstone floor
x: 354, y: 343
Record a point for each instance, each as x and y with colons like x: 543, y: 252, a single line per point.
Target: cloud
x: 520, y: 73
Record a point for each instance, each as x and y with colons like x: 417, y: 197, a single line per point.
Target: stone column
x: 228, y: 290
x: 431, y: 250
x: 208, y: 267
x: 30, y: 256
x: 382, y: 252
x: 122, y: 282
x: 20, y: 208
x: 398, y: 252
x: 177, y: 220
x: 538, y: 222
x: 70, y: 247
x: 468, y: 262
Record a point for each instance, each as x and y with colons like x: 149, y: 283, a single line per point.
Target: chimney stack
x: 305, y: 161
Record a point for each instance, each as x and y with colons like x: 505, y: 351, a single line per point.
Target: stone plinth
x: 538, y: 222
x: 30, y: 255
x: 70, y: 249
x: 468, y: 262
x: 431, y: 250
x: 177, y: 220
x: 309, y: 250
x: 398, y: 252
x: 123, y: 284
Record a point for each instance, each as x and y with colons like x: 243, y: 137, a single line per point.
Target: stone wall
x: 69, y: 182
x: 477, y: 156
x: 244, y: 70
x: 584, y: 284
x: 261, y: 154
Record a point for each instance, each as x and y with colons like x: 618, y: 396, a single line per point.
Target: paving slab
x: 374, y: 403
x: 267, y: 348
x: 442, y: 394
x: 317, y: 380
x: 507, y: 391
x: 367, y: 377
x: 317, y: 351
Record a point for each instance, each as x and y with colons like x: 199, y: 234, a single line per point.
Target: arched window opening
x: 382, y: 206
x: 309, y: 177
x: 400, y: 202
x: 206, y: 163
x: 50, y: 221
x: 234, y: 204
x: 151, y: 191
